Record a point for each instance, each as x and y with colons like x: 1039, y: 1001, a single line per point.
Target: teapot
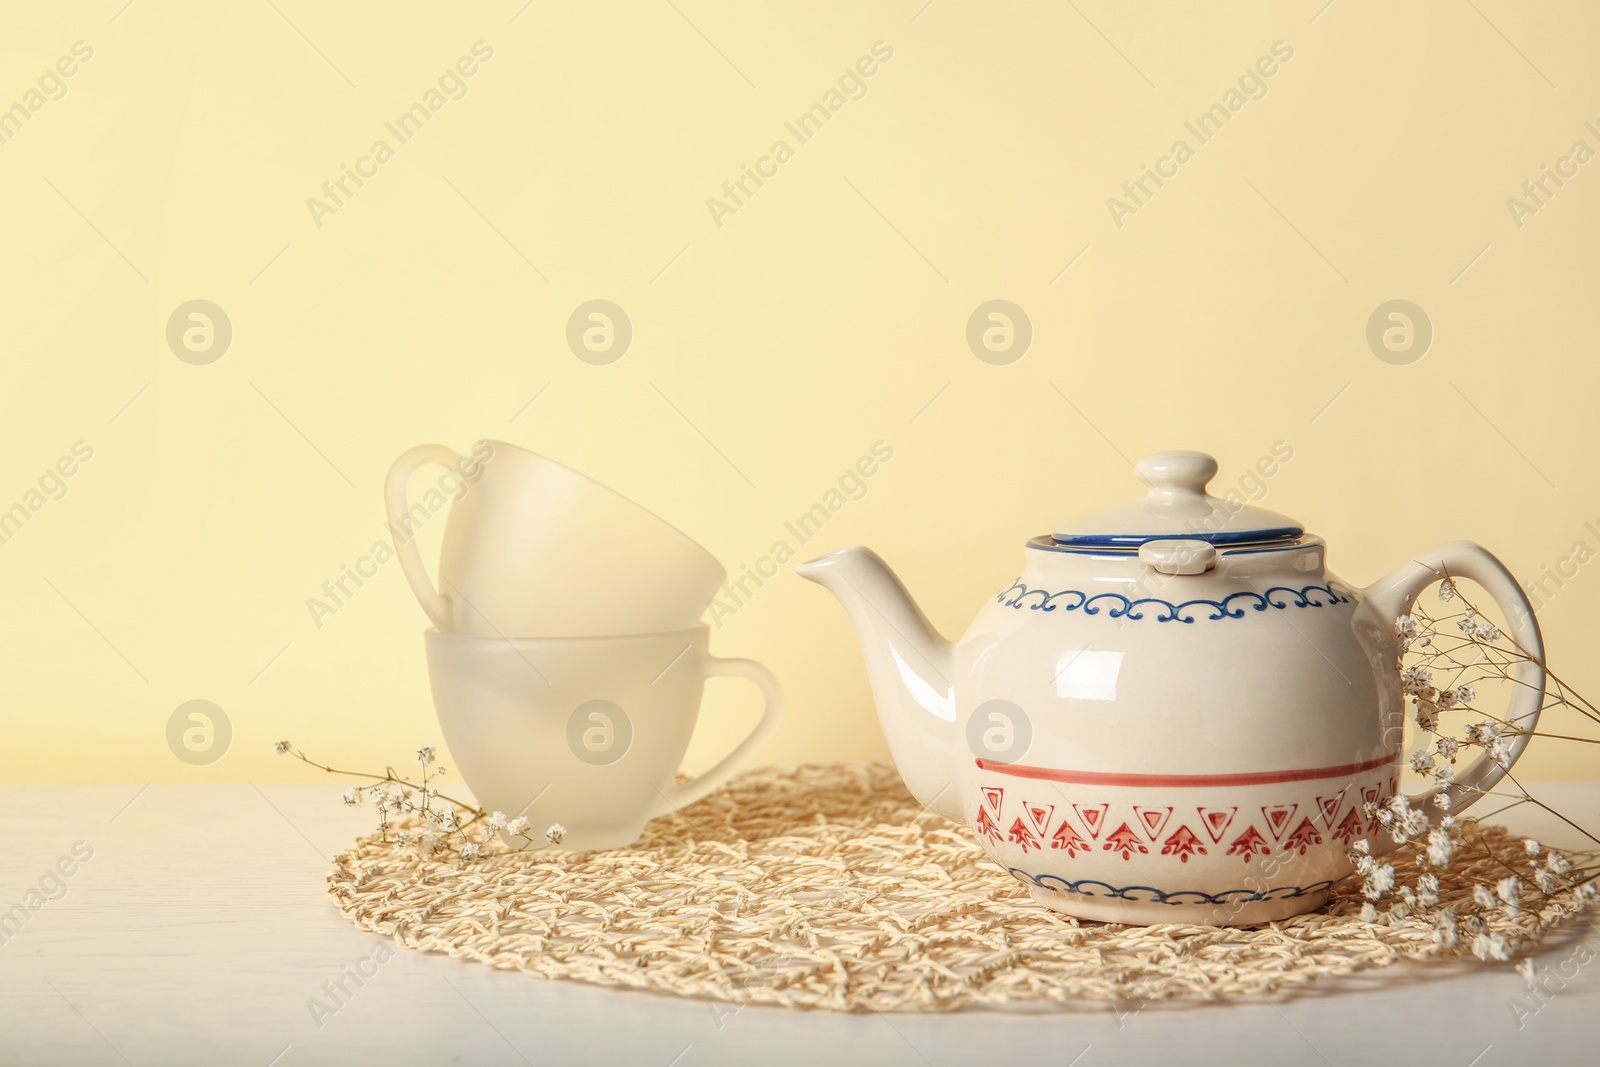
x: 1176, y: 713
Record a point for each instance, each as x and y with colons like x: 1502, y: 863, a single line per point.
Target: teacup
x: 535, y: 549
x: 587, y: 732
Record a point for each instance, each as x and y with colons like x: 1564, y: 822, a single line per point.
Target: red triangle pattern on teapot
x: 1154, y: 819
x: 1067, y: 838
x: 987, y: 827
x: 1278, y: 816
x: 1305, y: 835
x: 1216, y: 821
x: 1329, y: 806
x: 1021, y: 835
x: 1125, y: 841
x: 1093, y: 816
x: 1035, y: 827
x: 1249, y: 843
x: 1350, y: 828
x: 1040, y: 815
x: 1183, y: 843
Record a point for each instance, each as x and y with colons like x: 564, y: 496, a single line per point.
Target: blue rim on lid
x: 1222, y: 537
x: 1178, y: 506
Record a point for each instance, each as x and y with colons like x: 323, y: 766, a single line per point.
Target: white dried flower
x: 1531, y: 846
x: 1362, y: 846
x: 1558, y: 863
x: 1427, y: 715
x: 1448, y: 822
x: 1379, y: 881
x: 1491, y: 946
x: 1422, y: 761
x: 1589, y: 891
x: 1487, y: 632
x: 279, y: 748
x: 1447, y: 747
x: 1466, y: 693
x: 1444, y: 930
x: 1416, y: 679
x: 1424, y: 641
x: 470, y: 851
x: 1428, y: 890
x: 1413, y: 823
x: 1368, y: 913
x: 1500, y: 751
x: 497, y: 820
x: 1405, y: 626
x: 1446, y: 699
x: 1526, y: 969
x: 1509, y: 890
x: 1447, y: 591
x: 425, y: 756
x: 517, y: 826
x: 1467, y: 625
x: 352, y: 797
x: 555, y: 833
x: 1548, y: 882
x: 1441, y: 847
x: 1442, y: 801
x: 1483, y: 896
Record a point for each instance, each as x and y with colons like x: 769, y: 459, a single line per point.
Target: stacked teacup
x: 567, y: 656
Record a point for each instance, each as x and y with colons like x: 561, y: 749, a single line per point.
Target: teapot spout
x: 911, y: 668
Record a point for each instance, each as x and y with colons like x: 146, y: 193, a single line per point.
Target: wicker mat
x: 830, y: 887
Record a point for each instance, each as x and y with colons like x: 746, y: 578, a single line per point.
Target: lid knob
x: 1169, y: 473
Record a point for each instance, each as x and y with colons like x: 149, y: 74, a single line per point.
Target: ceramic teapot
x: 1176, y: 713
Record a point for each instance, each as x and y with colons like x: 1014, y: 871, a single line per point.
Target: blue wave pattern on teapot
x: 1092, y: 887
x: 1117, y: 606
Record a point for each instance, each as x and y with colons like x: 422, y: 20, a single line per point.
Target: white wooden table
x: 198, y: 932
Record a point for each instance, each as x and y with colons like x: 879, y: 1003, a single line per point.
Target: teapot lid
x: 1179, y: 506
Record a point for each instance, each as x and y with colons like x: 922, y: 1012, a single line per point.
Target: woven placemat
x: 828, y: 886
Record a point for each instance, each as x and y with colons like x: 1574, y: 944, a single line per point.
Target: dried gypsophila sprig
x: 1494, y: 657
x: 445, y: 821
x: 1482, y: 653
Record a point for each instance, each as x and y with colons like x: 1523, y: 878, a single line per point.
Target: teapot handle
x: 439, y: 608
x: 1395, y: 593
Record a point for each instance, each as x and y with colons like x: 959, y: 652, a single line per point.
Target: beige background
x: 829, y: 312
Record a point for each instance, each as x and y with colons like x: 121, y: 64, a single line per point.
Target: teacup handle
x: 439, y: 608
x: 682, y: 794
x: 1394, y: 594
